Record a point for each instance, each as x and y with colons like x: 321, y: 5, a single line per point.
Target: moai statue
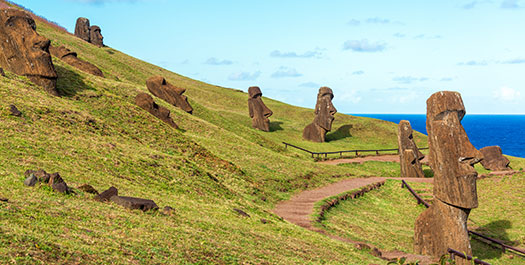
x: 146, y: 102
x: 324, y: 116
x: 493, y: 158
x: 452, y: 158
x: 258, y: 111
x: 24, y: 52
x: 159, y: 87
x: 409, y: 154
x: 95, y: 36
x: 71, y: 58
x: 82, y: 28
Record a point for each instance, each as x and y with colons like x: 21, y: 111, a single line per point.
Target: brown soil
x: 361, y: 160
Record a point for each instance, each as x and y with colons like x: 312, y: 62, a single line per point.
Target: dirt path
x: 300, y: 207
x: 360, y: 160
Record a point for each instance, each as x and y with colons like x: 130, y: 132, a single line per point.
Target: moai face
x: 452, y: 156
x: 324, y: 109
x: 258, y: 111
x: 82, y: 28
x: 24, y: 52
x: 409, y: 154
x: 159, y: 87
x: 95, y: 36
x: 406, y: 140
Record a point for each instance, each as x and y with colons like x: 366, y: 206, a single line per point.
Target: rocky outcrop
x: 159, y: 87
x: 146, y: 102
x: 71, y: 58
x: 324, y: 116
x: 91, y: 34
x: 493, y: 159
x: 24, y: 52
x: 409, y: 154
x: 258, y: 111
x: 452, y: 157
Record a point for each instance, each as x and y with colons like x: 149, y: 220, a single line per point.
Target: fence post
x: 377, y: 152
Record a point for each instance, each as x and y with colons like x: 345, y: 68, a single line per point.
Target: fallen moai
x: 159, y: 87
x: 24, y: 52
x: 258, y: 111
x: 91, y: 34
x: 71, y: 58
x: 132, y: 203
x: 324, y: 116
x: 493, y: 159
x: 452, y: 157
x: 409, y: 154
x: 146, y: 102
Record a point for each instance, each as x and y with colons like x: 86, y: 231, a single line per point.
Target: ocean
x: 507, y: 131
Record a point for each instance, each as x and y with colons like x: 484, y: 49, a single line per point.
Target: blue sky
x: 377, y: 56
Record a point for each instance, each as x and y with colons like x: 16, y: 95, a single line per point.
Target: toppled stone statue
x: 493, y: 159
x: 133, y: 203
x: 258, y: 111
x: 24, y: 52
x: 71, y: 58
x: 159, y: 87
x: 146, y: 102
x: 452, y: 158
x: 409, y: 154
x: 324, y: 116
x: 91, y: 34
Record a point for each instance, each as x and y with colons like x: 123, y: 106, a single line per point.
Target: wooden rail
x: 492, y: 240
x: 454, y: 252
x: 356, y: 151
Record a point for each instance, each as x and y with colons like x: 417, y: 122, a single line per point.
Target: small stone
x: 41, y: 175
x: 2, y: 73
x: 241, y: 212
x: 107, y: 194
x: 31, y: 180
x: 88, y: 188
x: 60, y: 187
x: 168, y: 210
x: 134, y: 203
x: 14, y: 111
x: 264, y: 221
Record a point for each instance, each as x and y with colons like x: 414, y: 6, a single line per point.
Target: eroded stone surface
x: 324, y: 116
x: 134, y: 203
x: 107, y: 194
x: 71, y: 58
x: 258, y: 110
x: 14, y: 111
x: 82, y: 28
x: 493, y: 159
x: 409, y: 154
x: 24, y: 52
x: 95, y: 36
x: 88, y: 188
x: 159, y: 87
x: 31, y: 180
x: 146, y: 102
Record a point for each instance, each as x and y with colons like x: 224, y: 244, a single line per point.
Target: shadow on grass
x: 275, y: 126
x: 496, y: 230
x: 341, y: 133
x: 69, y: 83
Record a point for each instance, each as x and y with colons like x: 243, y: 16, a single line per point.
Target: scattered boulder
x: 146, y: 102
x: 134, y: 203
x: 58, y: 184
x: 24, y: 52
x: 71, y: 58
x: 88, y: 188
x: 241, y: 212
x: 14, y: 111
x: 324, y: 116
x: 54, y: 180
x: 107, y: 194
x: 41, y: 175
x: 258, y: 111
x: 168, y: 210
x: 159, y: 87
x: 264, y: 221
x: 82, y: 28
x: 493, y: 159
x: 409, y: 154
x: 452, y: 157
x: 31, y: 180
x: 95, y: 36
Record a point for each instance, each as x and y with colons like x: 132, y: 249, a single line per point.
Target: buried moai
x: 258, y: 111
x: 324, y: 116
x: 91, y: 34
x: 24, y: 52
x: 146, y: 102
x: 159, y: 87
x: 409, y: 154
x: 71, y: 58
x: 493, y: 158
x: 452, y: 158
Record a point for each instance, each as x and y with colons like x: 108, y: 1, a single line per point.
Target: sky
x: 377, y: 56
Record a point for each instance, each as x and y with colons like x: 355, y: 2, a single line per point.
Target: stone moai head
x: 258, y: 111
x: 24, y: 52
x: 409, y: 154
x: 82, y: 28
x: 324, y: 109
x: 95, y: 36
x: 159, y: 87
x: 452, y: 156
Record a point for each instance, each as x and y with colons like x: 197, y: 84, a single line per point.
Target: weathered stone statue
x: 324, y: 116
x: 159, y: 87
x: 409, y: 154
x: 71, y: 58
x: 146, y: 102
x: 452, y: 158
x: 258, y: 111
x: 493, y: 159
x: 95, y: 36
x: 23, y: 51
x: 82, y: 28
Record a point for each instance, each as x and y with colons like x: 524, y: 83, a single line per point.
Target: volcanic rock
x: 409, y: 154
x: 14, y: 111
x: 168, y: 210
x: 324, y: 116
x: 107, y: 194
x: 31, y: 180
x: 71, y: 58
x: 146, y: 102
x: 134, y: 203
x: 2, y: 73
x: 493, y: 159
x: 41, y: 175
x: 258, y: 111
x: 58, y: 184
x: 95, y: 36
x: 159, y: 87
x: 24, y: 52
x: 82, y: 28
x: 88, y: 188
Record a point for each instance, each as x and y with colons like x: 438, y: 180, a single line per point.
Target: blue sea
x: 507, y: 131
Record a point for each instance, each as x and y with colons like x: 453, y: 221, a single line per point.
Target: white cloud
x: 346, y: 97
x: 308, y: 54
x: 510, y: 4
x: 506, y: 94
x: 244, y: 76
x: 363, y: 46
x: 215, y: 61
x: 286, y: 72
